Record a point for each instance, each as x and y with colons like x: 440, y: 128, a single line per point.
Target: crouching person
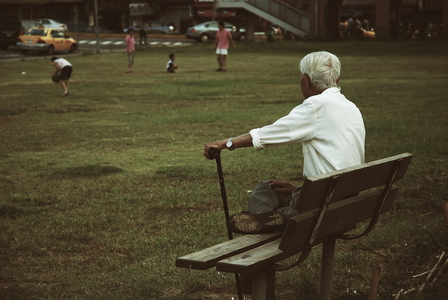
x: 65, y: 69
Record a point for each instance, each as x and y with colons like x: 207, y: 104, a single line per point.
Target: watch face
x: 229, y: 144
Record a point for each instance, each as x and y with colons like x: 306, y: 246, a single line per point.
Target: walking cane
x: 217, y: 155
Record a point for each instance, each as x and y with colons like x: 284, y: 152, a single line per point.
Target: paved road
x: 87, y: 43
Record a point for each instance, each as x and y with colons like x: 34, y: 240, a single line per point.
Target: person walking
x: 223, y: 37
x: 143, y: 35
x: 65, y: 68
x: 130, y: 49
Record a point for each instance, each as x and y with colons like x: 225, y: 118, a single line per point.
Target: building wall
x: 114, y: 14
x: 61, y: 11
x: 445, y: 20
x: 57, y: 11
x: 180, y: 15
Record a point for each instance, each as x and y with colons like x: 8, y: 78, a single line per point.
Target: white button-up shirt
x: 330, y: 128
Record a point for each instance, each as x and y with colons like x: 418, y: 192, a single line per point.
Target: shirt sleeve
x: 298, y: 126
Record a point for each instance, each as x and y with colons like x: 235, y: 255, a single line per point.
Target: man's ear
x: 337, y: 80
x: 307, y: 80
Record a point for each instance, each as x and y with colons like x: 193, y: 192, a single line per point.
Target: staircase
x: 279, y: 13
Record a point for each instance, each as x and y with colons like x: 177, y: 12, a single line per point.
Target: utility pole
x: 76, y: 22
x: 97, y: 28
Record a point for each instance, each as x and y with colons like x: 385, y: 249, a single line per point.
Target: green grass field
x: 102, y: 190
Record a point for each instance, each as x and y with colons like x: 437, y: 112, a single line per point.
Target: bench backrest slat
x: 351, y: 181
x: 340, y: 215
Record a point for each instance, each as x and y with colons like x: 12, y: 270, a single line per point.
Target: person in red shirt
x: 223, y: 37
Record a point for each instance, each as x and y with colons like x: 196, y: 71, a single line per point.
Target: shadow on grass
x: 12, y: 111
x: 10, y: 212
x: 86, y: 171
x: 68, y: 109
x: 21, y: 108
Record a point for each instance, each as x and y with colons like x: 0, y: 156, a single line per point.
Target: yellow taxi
x: 48, y: 40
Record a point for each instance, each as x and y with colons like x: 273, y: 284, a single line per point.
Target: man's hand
x: 211, y: 150
x: 281, y: 186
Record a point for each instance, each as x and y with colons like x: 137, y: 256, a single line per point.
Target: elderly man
x: 332, y: 133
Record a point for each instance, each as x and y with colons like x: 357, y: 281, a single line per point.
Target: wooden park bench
x: 331, y: 205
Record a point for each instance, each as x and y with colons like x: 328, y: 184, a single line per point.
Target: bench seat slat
x: 340, y: 216
x: 263, y: 256
x: 253, y: 260
x: 207, y: 258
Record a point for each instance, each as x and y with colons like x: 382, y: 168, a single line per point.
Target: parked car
x: 10, y: 30
x: 92, y: 29
x: 159, y: 27
x: 154, y: 27
x: 135, y: 28
x: 206, y: 31
x: 49, y: 23
x: 46, y: 40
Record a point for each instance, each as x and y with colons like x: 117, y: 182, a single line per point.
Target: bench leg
x: 263, y: 285
x: 326, y: 281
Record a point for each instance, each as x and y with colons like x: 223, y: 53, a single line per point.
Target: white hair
x: 323, y: 68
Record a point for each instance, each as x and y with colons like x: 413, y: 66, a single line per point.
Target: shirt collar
x: 332, y: 90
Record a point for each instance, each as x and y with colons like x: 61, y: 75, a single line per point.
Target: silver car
x: 49, y: 23
x: 206, y: 31
x: 153, y: 27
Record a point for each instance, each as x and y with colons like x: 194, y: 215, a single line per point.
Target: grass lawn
x: 102, y: 190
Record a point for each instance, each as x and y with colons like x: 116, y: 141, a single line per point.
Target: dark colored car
x: 206, y: 31
x: 10, y: 30
x: 160, y: 27
x: 154, y: 27
x: 136, y: 29
x: 92, y: 29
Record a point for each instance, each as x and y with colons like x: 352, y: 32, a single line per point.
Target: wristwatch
x: 229, y: 144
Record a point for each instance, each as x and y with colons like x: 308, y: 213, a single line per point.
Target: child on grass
x: 130, y: 49
x: 223, y: 38
x: 170, y: 66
